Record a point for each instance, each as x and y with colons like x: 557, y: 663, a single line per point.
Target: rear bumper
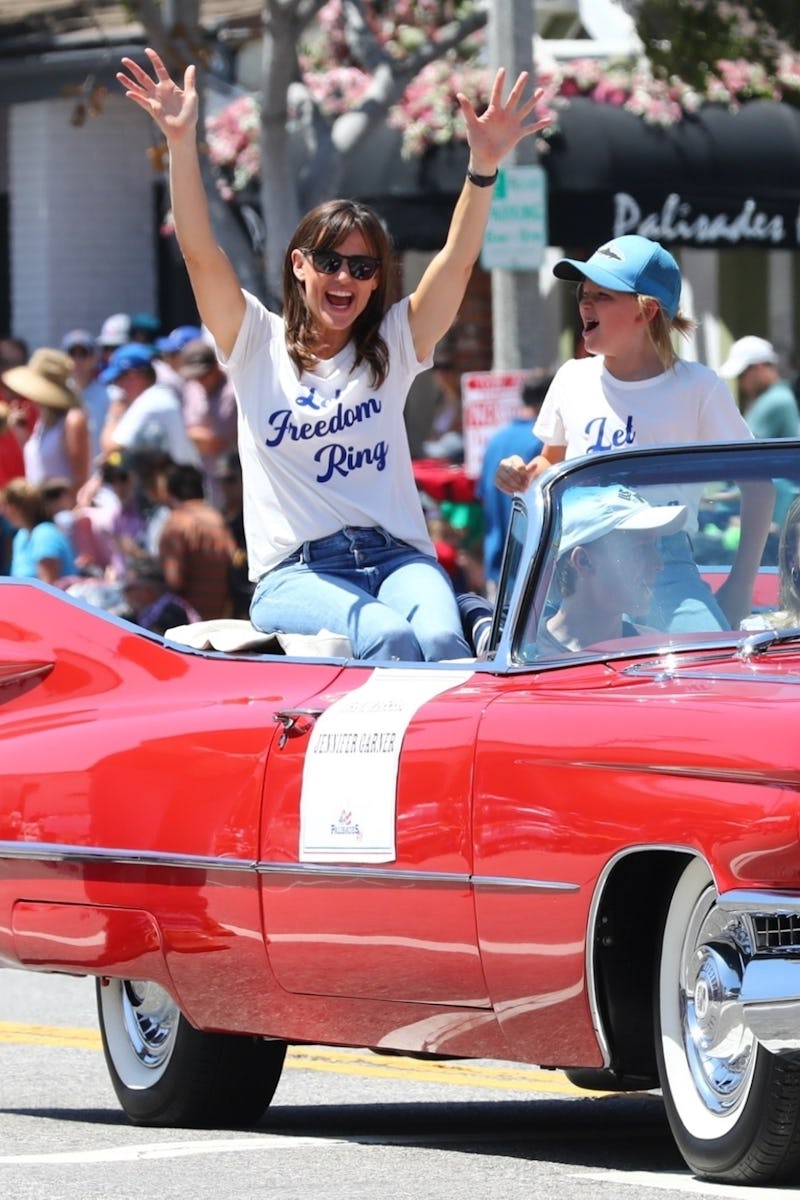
x: 769, y: 994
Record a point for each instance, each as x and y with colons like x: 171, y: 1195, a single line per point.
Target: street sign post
x: 516, y: 236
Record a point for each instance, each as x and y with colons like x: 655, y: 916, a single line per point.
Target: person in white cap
x: 768, y: 402
x: 114, y: 332
x: 82, y: 349
x: 607, y: 567
x: 632, y: 391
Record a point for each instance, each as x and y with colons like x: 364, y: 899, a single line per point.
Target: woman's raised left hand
x: 503, y: 123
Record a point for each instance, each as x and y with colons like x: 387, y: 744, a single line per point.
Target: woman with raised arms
x: 335, y: 531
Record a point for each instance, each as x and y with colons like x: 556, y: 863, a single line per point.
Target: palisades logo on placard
x: 346, y: 826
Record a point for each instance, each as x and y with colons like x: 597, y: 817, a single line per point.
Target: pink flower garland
x: 428, y: 114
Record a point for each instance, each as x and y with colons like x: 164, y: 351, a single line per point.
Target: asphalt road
x: 344, y: 1125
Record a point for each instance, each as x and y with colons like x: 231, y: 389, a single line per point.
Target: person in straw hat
x: 60, y: 441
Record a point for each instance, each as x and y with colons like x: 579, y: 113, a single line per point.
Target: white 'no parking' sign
x: 516, y: 235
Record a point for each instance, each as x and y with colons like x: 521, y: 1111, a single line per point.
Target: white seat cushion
x: 232, y: 636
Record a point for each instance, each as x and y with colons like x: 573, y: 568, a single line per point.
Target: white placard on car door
x: 349, y: 789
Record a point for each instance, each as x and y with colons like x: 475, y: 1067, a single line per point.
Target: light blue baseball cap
x: 629, y: 264
x: 592, y: 512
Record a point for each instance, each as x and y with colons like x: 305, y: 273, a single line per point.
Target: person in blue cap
x: 177, y: 339
x: 632, y: 390
x: 168, y: 352
x: 147, y: 414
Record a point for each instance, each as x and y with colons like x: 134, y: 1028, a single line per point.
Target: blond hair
x: 663, y: 328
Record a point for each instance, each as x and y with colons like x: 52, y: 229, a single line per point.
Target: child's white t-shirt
x: 326, y: 449
x: 590, y: 411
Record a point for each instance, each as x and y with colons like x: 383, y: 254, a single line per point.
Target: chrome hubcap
x: 720, y: 1049
x: 151, y: 1018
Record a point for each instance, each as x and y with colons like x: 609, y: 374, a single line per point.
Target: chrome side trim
x: 52, y: 852
x: 402, y: 875
x: 490, y: 882
x: 353, y: 871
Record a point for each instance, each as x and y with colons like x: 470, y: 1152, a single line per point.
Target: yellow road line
x: 49, y: 1035
x: 464, y: 1073
x: 341, y: 1061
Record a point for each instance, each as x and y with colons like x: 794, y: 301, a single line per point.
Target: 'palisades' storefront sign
x: 586, y: 219
x: 677, y: 220
x: 716, y: 180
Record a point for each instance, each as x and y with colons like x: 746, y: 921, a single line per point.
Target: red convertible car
x: 578, y: 849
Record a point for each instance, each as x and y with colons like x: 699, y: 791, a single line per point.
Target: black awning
x: 717, y: 179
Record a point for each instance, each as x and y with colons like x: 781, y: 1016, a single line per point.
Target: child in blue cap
x: 632, y: 390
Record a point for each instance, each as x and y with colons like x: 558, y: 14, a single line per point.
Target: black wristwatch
x: 482, y: 180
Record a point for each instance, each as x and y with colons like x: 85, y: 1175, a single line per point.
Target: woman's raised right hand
x: 174, y: 109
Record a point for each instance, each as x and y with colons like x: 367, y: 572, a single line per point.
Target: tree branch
x: 389, y: 76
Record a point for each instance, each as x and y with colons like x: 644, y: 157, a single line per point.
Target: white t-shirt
x: 325, y: 449
x: 155, y: 421
x: 590, y: 411
x: 45, y: 452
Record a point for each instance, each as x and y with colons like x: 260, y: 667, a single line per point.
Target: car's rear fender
x: 623, y: 949
x: 628, y: 914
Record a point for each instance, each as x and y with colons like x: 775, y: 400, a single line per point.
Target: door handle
x: 296, y: 722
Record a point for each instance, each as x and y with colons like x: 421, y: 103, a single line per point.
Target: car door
x: 540, y: 841
x: 366, y: 851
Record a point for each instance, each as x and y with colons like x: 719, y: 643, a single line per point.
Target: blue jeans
x: 682, y: 601
x: 391, y: 601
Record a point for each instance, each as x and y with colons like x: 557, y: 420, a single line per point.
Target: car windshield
x: 653, y: 550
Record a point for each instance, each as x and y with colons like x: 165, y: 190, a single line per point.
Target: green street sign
x: 516, y: 235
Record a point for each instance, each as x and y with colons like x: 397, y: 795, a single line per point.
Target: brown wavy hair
x: 27, y: 498
x: 325, y: 228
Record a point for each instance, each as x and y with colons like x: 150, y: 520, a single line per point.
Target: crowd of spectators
x: 119, y: 475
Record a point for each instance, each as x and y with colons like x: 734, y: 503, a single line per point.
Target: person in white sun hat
x: 607, y: 567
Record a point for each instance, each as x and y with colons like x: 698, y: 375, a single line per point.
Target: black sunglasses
x: 329, y: 262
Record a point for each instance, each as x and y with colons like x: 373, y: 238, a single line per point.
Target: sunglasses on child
x: 329, y: 262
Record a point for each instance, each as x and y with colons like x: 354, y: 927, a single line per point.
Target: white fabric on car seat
x: 230, y: 636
